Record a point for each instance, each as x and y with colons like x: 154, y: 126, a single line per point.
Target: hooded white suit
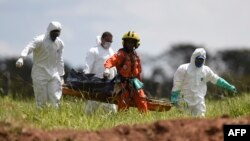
x: 191, y: 81
x: 94, y: 61
x: 48, y: 66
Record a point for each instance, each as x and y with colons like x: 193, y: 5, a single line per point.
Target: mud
x: 164, y: 130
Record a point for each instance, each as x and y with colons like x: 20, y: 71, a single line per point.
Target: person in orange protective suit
x: 128, y: 66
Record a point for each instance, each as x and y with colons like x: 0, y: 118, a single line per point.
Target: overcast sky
x: 215, y: 24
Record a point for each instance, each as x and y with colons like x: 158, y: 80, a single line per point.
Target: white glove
x: 106, y: 73
x: 62, y: 80
x: 19, y: 63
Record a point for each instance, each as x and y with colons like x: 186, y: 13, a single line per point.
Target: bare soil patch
x: 165, y: 130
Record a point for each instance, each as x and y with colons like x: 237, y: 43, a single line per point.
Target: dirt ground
x: 164, y: 130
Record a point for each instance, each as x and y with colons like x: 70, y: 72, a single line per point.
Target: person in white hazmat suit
x: 48, y: 65
x: 190, y: 81
x: 94, y: 61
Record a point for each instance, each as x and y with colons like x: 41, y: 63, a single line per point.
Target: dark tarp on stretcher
x: 91, y: 87
x: 88, y: 86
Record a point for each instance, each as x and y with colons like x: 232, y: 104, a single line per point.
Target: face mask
x: 199, y: 62
x: 107, y: 45
x: 54, y: 34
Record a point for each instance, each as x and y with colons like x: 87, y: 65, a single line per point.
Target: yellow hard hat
x: 132, y: 35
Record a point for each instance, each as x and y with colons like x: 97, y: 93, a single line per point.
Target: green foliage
x: 237, y: 60
x: 70, y: 115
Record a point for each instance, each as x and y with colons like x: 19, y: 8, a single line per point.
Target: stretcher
x: 88, y: 87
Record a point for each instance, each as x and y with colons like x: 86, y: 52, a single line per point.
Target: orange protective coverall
x: 128, y: 66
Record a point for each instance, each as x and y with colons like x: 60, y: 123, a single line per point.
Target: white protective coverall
x: 94, y: 61
x: 191, y: 81
x: 48, y: 66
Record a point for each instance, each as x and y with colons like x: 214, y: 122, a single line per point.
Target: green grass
x: 236, y: 106
x: 70, y: 114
